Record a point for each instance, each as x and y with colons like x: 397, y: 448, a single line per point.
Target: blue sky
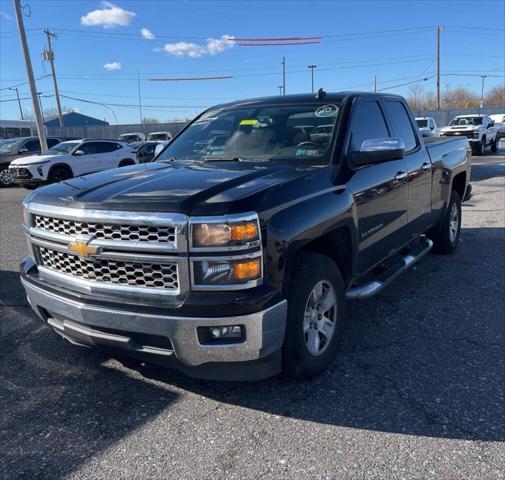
x: 358, y: 43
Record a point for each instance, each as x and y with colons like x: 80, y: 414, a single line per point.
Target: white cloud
x: 108, y: 16
x: 112, y: 66
x: 5, y: 15
x: 147, y: 34
x: 213, y: 46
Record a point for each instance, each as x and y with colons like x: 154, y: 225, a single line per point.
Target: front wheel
x: 445, y: 236
x: 58, y: 174
x: 316, y: 312
x: 494, y: 145
x: 5, y: 177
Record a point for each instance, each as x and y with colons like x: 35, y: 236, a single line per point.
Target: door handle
x: 401, y: 176
x: 426, y: 167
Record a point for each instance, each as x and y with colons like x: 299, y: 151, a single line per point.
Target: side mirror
x: 377, y: 150
x: 22, y: 150
x: 158, y: 149
x: 491, y: 124
x: 79, y: 152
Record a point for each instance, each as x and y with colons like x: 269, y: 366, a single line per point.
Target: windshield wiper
x: 223, y: 159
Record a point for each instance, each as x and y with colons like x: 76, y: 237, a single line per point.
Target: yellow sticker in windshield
x: 248, y: 122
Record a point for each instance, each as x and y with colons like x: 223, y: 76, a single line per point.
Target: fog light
x: 230, y: 331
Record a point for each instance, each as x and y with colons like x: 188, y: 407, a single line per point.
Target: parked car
x: 237, y: 263
x: 499, y: 121
x: 132, y: 137
x: 479, y: 129
x: 13, y: 148
x: 71, y: 159
x: 147, y: 151
x: 427, y: 127
x: 163, y: 136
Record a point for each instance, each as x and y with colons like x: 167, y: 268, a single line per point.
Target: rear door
x: 379, y: 190
x: 108, y: 155
x: 418, y: 167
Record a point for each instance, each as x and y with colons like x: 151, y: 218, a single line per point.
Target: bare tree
x: 460, y: 98
x: 149, y: 120
x: 495, y: 97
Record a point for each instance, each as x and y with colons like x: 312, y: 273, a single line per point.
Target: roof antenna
x: 320, y: 94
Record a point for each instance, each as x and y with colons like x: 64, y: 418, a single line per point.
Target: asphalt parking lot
x: 417, y: 390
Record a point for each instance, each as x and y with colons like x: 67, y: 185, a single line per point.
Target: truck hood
x: 462, y: 128
x: 189, y: 188
x: 32, y: 159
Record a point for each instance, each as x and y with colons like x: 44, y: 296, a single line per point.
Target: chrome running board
x: 373, y: 287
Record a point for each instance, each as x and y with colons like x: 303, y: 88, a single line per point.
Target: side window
x: 367, y: 122
x: 89, y: 148
x: 26, y: 132
x: 400, y: 122
x: 2, y: 132
x: 51, y: 142
x: 105, y: 147
x: 11, y: 132
x: 32, y: 146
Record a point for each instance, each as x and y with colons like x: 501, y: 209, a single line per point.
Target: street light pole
x: 31, y: 80
x: 19, y: 101
x: 312, y: 75
x: 482, y: 91
x: 41, y: 109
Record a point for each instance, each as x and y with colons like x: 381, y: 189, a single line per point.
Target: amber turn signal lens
x: 247, y: 270
x: 246, y: 231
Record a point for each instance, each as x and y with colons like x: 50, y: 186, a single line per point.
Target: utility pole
x: 312, y: 75
x: 48, y: 55
x: 280, y: 89
x: 482, y: 91
x: 283, y: 75
x: 41, y: 108
x: 438, y: 67
x: 140, y: 98
x: 19, y: 101
x: 375, y: 83
x: 31, y: 80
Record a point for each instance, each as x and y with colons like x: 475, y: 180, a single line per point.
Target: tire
x: 446, y: 235
x: 5, y: 178
x: 58, y: 174
x: 126, y: 162
x: 494, y: 145
x: 481, y: 149
x: 310, y: 344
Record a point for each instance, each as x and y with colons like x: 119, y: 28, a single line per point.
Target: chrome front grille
x: 165, y: 234
x: 134, y: 274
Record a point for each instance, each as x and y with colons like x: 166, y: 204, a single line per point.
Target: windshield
x: 158, y: 136
x: 463, y: 121
x: 422, y: 123
x: 9, y: 146
x: 129, y: 138
x: 258, y: 133
x: 62, y: 148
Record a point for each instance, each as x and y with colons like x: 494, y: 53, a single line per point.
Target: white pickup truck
x: 427, y: 127
x: 479, y: 129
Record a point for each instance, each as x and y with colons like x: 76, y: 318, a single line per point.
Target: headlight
x: 240, y: 272
x: 225, y: 233
x: 476, y: 134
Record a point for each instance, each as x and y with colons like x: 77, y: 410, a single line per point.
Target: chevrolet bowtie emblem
x: 82, y: 248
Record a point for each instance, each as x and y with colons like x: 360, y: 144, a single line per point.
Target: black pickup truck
x: 233, y: 254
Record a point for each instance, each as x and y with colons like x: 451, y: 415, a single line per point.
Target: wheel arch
x: 62, y: 165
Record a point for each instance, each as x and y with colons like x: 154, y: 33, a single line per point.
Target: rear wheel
x: 5, y: 177
x: 446, y: 234
x: 316, y: 311
x: 58, y: 174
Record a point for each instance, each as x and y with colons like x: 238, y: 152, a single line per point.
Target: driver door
x: 379, y: 190
x: 87, y: 162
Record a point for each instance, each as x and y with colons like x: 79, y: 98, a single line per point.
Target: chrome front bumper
x: 92, y: 325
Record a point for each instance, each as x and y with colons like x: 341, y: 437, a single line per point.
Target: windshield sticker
x: 248, y: 122
x: 327, y: 111
x: 302, y: 152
